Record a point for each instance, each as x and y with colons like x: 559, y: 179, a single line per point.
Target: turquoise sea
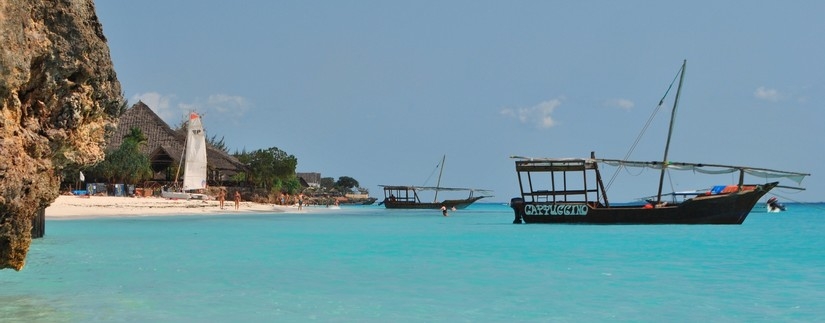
x: 368, y: 264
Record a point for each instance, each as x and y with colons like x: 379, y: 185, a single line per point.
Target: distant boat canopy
x: 435, y: 188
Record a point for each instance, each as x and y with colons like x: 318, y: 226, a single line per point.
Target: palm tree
x: 136, y: 135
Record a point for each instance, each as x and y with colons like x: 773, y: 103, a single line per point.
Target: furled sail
x: 709, y: 168
x: 194, y: 171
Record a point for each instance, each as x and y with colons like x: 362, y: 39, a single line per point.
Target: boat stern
x: 517, y: 204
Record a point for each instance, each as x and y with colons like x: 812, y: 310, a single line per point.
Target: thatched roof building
x: 309, y: 179
x: 165, y: 145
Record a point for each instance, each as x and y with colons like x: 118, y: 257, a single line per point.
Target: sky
x: 380, y: 90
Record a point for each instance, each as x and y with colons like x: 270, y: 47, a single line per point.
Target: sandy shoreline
x: 68, y: 207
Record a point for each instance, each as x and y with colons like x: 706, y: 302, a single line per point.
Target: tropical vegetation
x: 126, y: 164
x: 270, y: 169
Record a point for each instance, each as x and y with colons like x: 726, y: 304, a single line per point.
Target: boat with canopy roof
x: 409, y: 197
x: 571, y: 190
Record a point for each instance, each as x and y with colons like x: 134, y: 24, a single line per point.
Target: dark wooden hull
x: 730, y: 208
x: 367, y: 201
x: 458, y: 204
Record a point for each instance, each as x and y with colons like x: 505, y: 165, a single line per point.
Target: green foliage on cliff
x: 346, y: 183
x: 342, y: 186
x: 327, y: 183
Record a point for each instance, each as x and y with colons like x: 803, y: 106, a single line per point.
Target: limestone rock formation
x: 59, y: 95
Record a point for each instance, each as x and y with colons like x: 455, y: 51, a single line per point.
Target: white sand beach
x: 70, y: 206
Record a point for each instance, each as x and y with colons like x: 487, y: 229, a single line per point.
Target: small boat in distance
x: 364, y: 201
x: 773, y: 205
x: 407, y: 197
x: 193, y: 160
x: 570, y: 190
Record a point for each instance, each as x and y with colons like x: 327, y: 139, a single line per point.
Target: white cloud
x: 766, y: 94
x: 540, y: 114
x: 188, y: 107
x: 159, y: 103
x: 222, y: 106
x: 227, y: 104
x: 623, y: 104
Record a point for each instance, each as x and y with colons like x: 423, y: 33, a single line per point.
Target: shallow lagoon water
x: 368, y: 264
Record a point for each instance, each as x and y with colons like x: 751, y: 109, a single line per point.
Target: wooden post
x: 39, y: 224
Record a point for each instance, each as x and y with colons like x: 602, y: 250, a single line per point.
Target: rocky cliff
x: 58, y: 97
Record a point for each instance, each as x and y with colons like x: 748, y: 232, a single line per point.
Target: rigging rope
x: 644, y: 129
x: 431, y: 174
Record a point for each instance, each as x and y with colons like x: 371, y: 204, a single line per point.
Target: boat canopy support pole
x: 599, y: 179
x: 741, y: 178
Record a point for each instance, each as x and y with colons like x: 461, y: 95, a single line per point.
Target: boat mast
x: 669, y: 133
x: 438, y: 183
x: 182, y: 154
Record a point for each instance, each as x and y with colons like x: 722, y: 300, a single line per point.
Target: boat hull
x: 175, y: 195
x: 458, y: 204
x: 730, y: 208
x: 368, y: 201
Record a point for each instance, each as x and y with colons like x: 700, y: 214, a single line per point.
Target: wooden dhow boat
x: 571, y: 190
x: 408, y: 197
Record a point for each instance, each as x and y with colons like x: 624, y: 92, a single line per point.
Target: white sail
x: 194, y: 170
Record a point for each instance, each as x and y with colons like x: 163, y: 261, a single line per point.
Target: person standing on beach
x: 222, y: 197
x: 300, y: 202
x: 237, y: 199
